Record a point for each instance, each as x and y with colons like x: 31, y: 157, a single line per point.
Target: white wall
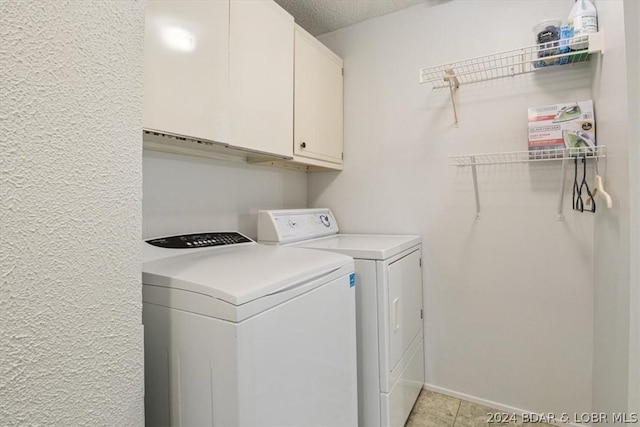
x: 70, y: 196
x: 184, y: 194
x: 632, y: 38
x: 509, y: 297
x: 613, y: 227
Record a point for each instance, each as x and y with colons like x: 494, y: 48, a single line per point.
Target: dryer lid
x: 363, y: 246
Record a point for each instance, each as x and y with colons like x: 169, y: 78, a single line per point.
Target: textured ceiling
x: 323, y: 16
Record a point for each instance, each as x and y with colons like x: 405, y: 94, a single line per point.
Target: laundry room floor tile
x: 428, y: 420
x: 474, y: 415
x: 436, y: 405
x: 437, y: 410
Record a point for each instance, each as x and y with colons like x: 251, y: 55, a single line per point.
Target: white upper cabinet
x: 318, y: 118
x: 221, y: 74
x: 186, y: 72
x: 261, y: 77
x: 222, y: 71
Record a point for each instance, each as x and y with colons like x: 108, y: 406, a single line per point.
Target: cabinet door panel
x: 318, y: 130
x: 186, y: 73
x: 261, y: 77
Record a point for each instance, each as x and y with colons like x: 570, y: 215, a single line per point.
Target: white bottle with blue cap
x: 583, y: 19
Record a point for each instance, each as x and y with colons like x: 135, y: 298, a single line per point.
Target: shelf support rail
x: 475, y: 185
x: 451, y: 78
x: 563, y: 183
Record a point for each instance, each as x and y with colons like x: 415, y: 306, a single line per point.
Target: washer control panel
x: 199, y: 240
x: 287, y: 226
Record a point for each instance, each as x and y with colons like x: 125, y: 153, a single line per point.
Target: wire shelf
x: 526, y: 156
x: 513, y: 62
x: 474, y: 160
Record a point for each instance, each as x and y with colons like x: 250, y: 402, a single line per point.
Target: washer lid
x: 363, y: 246
x: 242, y: 273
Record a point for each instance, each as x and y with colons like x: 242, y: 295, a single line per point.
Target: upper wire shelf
x: 526, y: 156
x: 513, y: 62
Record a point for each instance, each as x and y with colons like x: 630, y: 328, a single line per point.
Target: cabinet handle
x: 303, y: 145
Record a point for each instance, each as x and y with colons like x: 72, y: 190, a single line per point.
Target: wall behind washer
x: 188, y: 194
x: 71, y: 349
x: 509, y: 297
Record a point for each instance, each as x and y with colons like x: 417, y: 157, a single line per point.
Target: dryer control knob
x: 324, y: 219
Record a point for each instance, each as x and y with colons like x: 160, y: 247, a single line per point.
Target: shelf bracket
x: 563, y: 183
x: 475, y: 185
x: 596, y: 42
x: 454, y: 83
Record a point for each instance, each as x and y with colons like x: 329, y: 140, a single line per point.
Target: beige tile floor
x: 437, y: 410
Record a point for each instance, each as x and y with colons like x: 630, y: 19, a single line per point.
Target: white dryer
x: 388, y: 306
x: 238, y: 333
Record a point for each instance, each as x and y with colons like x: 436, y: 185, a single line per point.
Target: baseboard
x: 489, y: 403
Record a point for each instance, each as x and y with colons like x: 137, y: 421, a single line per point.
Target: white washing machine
x: 388, y: 306
x: 242, y: 334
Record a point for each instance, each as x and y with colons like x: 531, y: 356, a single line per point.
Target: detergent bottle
x: 583, y: 19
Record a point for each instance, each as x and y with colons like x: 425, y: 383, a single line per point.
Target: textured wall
x: 509, y: 297
x: 319, y: 17
x: 70, y: 224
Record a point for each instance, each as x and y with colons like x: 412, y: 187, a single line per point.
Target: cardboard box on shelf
x: 568, y: 125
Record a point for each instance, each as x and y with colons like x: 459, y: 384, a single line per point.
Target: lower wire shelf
x: 529, y: 156
x: 526, y: 156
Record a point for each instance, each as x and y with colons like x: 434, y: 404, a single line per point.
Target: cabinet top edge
x: 301, y: 32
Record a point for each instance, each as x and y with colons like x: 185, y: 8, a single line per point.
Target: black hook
x: 577, y: 200
x: 578, y: 203
x: 586, y: 186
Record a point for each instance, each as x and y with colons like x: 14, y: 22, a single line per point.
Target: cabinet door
x: 186, y: 68
x: 261, y: 77
x: 318, y: 116
x: 405, y: 304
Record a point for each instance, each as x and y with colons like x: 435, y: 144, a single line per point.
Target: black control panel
x: 199, y: 240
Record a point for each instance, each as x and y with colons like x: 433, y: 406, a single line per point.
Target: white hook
x: 598, y: 188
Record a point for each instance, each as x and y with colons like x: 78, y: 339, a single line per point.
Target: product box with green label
x: 569, y: 125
